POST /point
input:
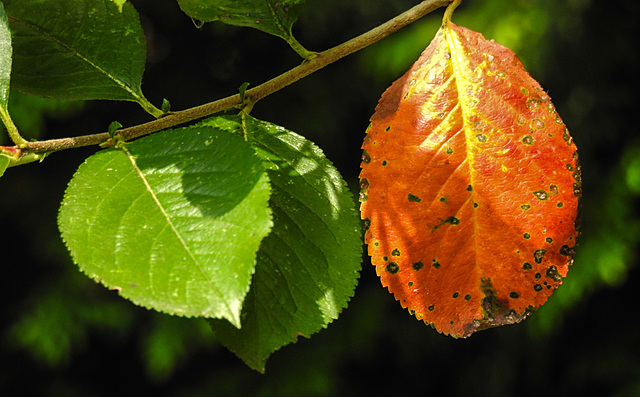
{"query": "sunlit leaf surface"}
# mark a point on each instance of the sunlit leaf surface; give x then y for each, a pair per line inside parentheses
(470, 187)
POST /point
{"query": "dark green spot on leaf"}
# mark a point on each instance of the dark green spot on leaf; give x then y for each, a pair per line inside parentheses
(413, 198)
(541, 194)
(539, 254)
(392, 268)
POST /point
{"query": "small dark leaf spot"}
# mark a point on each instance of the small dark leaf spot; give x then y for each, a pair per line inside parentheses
(410, 284)
(469, 188)
(539, 254)
(475, 205)
(527, 266)
(552, 273)
(436, 264)
(392, 268)
(553, 189)
(365, 157)
(527, 140)
(538, 276)
(567, 137)
(364, 184)
(366, 224)
(570, 167)
(362, 196)
(525, 207)
(481, 137)
(549, 240)
(430, 308)
(395, 252)
(537, 287)
(567, 251)
(541, 194)
(413, 198)
(467, 297)
(418, 265)
(577, 190)
(384, 163)
(376, 244)
(443, 199)
(388, 128)
(526, 235)
(513, 295)
(449, 150)
(560, 204)
(385, 258)
(455, 295)
(451, 220)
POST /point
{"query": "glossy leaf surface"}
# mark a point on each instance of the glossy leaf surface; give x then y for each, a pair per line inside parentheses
(171, 221)
(5, 58)
(470, 187)
(78, 49)
(273, 17)
(308, 265)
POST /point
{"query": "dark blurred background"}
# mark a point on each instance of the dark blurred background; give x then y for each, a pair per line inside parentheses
(63, 335)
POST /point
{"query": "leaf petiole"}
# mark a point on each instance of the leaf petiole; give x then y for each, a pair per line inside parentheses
(14, 134)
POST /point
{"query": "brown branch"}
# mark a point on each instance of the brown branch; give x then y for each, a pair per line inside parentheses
(253, 95)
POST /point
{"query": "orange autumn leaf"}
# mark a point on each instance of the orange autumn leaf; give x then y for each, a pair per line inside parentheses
(470, 187)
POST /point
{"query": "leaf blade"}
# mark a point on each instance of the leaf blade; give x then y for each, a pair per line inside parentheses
(6, 54)
(308, 266)
(162, 223)
(452, 236)
(78, 49)
(275, 18)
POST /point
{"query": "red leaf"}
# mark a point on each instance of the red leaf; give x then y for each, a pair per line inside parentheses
(470, 187)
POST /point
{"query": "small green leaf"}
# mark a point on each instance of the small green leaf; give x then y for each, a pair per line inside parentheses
(78, 49)
(243, 89)
(309, 265)
(166, 106)
(113, 127)
(172, 221)
(275, 17)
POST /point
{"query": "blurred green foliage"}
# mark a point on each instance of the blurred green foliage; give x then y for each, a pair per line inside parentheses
(76, 338)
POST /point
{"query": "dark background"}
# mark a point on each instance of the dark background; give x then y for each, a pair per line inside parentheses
(63, 335)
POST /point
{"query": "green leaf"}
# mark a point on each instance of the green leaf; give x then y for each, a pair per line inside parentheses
(4, 163)
(172, 221)
(5, 58)
(275, 17)
(309, 265)
(78, 49)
